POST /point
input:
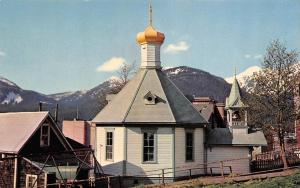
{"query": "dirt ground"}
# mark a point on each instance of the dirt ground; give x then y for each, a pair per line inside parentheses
(208, 180)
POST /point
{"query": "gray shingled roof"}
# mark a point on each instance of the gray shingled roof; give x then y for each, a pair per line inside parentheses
(235, 99)
(129, 106)
(223, 136)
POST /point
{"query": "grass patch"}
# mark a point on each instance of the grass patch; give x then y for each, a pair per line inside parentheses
(292, 181)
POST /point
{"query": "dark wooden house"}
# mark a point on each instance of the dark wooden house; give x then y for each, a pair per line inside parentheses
(35, 153)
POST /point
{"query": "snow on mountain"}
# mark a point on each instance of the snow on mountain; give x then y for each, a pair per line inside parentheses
(114, 81)
(4, 80)
(174, 71)
(12, 98)
(245, 78)
(59, 96)
(166, 68)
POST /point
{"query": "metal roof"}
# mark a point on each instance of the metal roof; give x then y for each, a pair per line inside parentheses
(17, 128)
(223, 136)
(235, 99)
(130, 105)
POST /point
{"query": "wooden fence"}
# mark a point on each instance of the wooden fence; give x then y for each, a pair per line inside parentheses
(272, 160)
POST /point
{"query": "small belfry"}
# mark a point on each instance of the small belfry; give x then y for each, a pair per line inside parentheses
(236, 109)
(150, 41)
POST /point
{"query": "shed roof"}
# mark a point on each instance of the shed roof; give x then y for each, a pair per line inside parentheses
(16, 128)
(129, 105)
(223, 136)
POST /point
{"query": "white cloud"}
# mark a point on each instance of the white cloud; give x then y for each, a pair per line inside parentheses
(112, 64)
(178, 47)
(250, 56)
(247, 56)
(258, 56)
(2, 54)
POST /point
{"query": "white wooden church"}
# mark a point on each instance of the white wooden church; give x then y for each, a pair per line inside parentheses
(151, 125)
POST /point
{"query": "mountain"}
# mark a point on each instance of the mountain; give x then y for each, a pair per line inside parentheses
(14, 98)
(245, 78)
(85, 104)
(195, 82)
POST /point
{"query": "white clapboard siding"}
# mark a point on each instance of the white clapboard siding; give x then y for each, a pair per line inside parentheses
(180, 161)
(115, 166)
(240, 165)
(135, 165)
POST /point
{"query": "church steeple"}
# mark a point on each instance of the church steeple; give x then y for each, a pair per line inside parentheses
(150, 41)
(236, 109)
(150, 14)
(235, 97)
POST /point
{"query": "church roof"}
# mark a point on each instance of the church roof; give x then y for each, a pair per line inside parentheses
(150, 35)
(150, 97)
(223, 136)
(235, 99)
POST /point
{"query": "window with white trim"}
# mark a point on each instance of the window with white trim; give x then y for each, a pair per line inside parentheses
(31, 181)
(189, 146)
(109, 145)
(45, 135)
(149, 147)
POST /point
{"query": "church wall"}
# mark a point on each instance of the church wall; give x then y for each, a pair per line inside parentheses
(240, 165)
(115, 166)
(180, 160)
(164, 152)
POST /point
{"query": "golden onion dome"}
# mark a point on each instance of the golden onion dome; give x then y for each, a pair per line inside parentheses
(150, 35)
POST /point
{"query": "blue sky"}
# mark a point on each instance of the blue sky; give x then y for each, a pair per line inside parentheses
(58, 45)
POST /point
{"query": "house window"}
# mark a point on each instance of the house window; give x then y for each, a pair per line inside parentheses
(45, 135)
(31, 181)
(109, 146)
(189, 146)
(149, 147)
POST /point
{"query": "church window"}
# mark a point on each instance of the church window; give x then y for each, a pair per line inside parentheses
(45, 135)
(150, 98)
(149, 147)
(109, 145)
(189, 146)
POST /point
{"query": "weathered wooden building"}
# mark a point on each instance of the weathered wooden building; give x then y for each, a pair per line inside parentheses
(34, 152)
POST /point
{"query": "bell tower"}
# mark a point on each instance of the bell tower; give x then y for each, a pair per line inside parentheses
(237, 116)
(150, 41)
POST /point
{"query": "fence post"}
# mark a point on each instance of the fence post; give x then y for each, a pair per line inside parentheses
(190, 171)
(222, 168)
(108, 182)
(163, 176)
(120, 182)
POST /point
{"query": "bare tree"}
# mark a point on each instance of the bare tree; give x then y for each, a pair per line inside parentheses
(126, 71)
(124, 74)
(272, 99)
